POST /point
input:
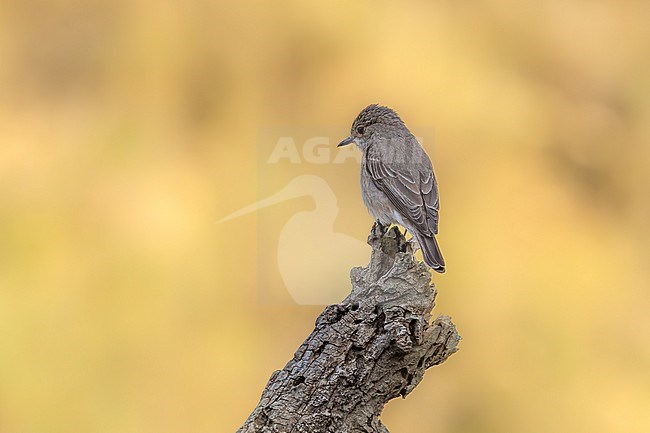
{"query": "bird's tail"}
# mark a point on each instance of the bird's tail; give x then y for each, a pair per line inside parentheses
(431, 252)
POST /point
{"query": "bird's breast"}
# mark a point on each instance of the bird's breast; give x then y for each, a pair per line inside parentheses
(376, 201)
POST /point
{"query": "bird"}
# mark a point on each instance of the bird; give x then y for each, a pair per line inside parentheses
(398, 185)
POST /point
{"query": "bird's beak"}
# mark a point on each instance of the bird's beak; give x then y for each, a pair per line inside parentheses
(346, 141)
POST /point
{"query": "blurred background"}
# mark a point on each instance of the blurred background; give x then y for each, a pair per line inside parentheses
(127, 128)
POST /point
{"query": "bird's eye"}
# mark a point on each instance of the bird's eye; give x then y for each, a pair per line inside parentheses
(360, 129)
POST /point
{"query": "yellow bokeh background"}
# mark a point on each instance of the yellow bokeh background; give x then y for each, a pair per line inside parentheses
(128, 127)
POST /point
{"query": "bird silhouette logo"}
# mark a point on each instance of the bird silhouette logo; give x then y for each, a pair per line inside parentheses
(312, 258)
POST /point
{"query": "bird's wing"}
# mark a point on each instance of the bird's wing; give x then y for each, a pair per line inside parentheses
(413, 191)
(429, 189)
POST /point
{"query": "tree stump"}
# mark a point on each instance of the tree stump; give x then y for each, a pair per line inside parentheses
(363, 352)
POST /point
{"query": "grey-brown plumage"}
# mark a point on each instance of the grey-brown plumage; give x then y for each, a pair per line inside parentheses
(397, 180)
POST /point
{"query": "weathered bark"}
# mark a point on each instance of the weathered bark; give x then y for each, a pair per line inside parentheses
(371, 348)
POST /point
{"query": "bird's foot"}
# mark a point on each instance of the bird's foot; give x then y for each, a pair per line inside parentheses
(402, 243)
(379, 228)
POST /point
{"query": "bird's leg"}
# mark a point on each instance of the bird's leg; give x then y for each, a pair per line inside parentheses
(401, 239)
(382, 228)
(378, 229)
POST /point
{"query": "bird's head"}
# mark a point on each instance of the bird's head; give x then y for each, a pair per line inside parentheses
(372, 119)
